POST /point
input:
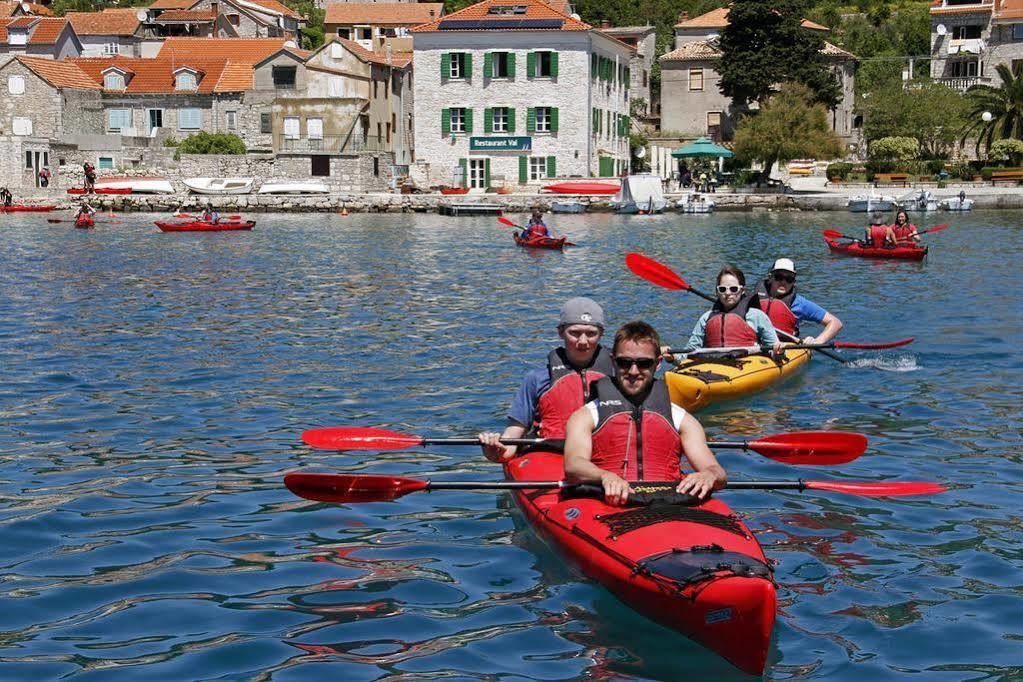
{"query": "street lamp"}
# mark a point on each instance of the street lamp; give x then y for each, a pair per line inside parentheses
(986, 117)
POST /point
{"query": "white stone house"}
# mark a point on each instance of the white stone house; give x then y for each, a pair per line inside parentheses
(518, 92)
(51, 37)
(969, 39)
(109, 33)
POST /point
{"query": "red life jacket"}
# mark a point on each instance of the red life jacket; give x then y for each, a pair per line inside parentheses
(779, 309)
(637, 442)
(731, 328)
(570, 389)
(902, 232)
(877, 235)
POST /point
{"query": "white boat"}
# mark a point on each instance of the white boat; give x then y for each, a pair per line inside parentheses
(137, 185)
(867, 203)
(568, 207)
(218, 185)
(640, 193)
(695, 203)
(294, 188)
(960, 203)
(918, 200)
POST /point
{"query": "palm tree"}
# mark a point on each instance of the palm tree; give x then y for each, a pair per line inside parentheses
(1004, 103)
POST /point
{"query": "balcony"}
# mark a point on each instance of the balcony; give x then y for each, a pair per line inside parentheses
(330, 144)
(963, 83)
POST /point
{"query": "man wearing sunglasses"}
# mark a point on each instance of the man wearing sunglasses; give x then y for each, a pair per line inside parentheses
(632, 431)
(548, 396)
(786, 308)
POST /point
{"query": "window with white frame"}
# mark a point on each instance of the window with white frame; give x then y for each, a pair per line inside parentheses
(537, 168)
(365, 32)
(189, 119)
(458, 120)
(185, 80)
(113, 81)
(543, 120)
(291, 128)
(314, 128)
(110, 49)
(501, 64)
(457, 67)
(17, 37)
(545, 64)
(16, 85)
(500, 120)
(695, 80)
(118, 119)
(231, 118)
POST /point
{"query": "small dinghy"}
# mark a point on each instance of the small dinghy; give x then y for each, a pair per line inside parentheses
(294, 188)
(219, 185)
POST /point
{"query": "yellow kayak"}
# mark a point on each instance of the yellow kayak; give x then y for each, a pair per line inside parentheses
(698, 382)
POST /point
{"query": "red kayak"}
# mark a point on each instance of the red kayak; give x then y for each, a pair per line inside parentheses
(16, 208)
(84, 222)
(542, 242)
(695, 569)
(199, 226)
(454, 190)
(854, 248)
(582, 188)
(100, 190)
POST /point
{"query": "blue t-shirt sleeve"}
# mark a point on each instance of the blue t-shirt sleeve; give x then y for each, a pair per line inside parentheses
(696, 339)
(807, 310)
(523, 408)
(759, 320)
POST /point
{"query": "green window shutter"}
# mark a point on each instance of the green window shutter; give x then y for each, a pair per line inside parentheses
(554, 119)
(523, 170)
(593, 119)
(628, 125)
(468, 120)
(554, 64)
(600, 121)
(486, 172)
(552, 167)
(488, 64)
(468, 66)
(445, 122)
(445, 65)
(531, 65)
(628, 77)
(510, 114)
(593, 67)
(464, 163)
(488, 120)
(531, 120)
(511, 65)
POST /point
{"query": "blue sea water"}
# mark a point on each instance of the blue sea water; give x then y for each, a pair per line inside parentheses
(153, 388)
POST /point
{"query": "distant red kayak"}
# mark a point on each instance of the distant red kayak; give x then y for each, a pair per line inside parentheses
(542, 243)
(582, 188)
(84, 222)
(897, 253)
(100, 190)
(199, 226)
(454, 190)
(16, 208)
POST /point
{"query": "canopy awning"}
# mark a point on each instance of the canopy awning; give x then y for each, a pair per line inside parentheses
(702, 147)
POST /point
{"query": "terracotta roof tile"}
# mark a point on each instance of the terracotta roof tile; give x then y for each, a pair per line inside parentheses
(835, 51)
(109, 22)
(60, 74)
(173, 4)
(156, 75)
(274, 6)
(973, 8)
(242, 50)
(383, 13)
(47, 31)
(8, 9)
(535, 9)
(693, 51)
(398, 59)
(196, 15)
(718, 18)
(235, 77)
(22, 22)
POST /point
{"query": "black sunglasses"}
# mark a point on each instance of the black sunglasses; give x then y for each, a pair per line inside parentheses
(784, 277)
(643, 364)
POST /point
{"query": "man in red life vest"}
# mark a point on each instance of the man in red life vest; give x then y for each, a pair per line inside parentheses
(633, 431)
(549, 395)
(786, 308)
(879, 235)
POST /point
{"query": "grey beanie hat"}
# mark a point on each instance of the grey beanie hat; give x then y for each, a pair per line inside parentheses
(581, 310)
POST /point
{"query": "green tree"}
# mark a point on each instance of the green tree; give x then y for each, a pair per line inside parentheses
(931, 112)
(895, 149)
(790, 125)
(212, 143)
(1004, 103)
(764, 44)
(1007, 150)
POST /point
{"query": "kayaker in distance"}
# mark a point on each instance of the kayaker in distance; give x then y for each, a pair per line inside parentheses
(904, 231)
(5, 196)
(548, 396)
(210, 215)
(878, 235)
(735, 319)
(786, 308)
(536, 227)
(85, 211)
(602, 442)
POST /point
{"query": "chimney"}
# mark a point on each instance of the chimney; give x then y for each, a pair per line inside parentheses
(683, 16)
(604, 23)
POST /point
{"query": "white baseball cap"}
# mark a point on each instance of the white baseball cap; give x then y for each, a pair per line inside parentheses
(784, 264)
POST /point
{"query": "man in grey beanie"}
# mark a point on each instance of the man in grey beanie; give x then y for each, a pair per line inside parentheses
(548, 396)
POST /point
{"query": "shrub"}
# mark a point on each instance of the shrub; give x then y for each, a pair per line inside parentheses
(212, 143)
(1009, 149)
(935, 166)
(895, 149)
(171, 142)
(986, 171)
(838, 170)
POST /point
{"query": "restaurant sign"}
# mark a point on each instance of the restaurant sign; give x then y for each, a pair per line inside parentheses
(500, 144)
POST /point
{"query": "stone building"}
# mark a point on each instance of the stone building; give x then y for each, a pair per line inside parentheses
(109, 33)
(50, 37)
(247, 18)
(15, 8)
(970, 39)
(368, 23)
(692, 104)
(518, 92)
(644, 40)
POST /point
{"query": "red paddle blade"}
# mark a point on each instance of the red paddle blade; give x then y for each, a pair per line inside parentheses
(874, 346)
(654, 272)
(359, 438)
(507, 222)
(879, 488)
(811, 447)
(833, 234)
(939, 228)
(351, 488)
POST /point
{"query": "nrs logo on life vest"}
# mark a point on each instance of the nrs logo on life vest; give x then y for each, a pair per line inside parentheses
(557, 367)
(608, 402)
(719, 616)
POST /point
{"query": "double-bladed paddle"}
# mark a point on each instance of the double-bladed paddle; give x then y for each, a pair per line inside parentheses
(352, 488)
(74, 220)
(505, 221)
(798, 447)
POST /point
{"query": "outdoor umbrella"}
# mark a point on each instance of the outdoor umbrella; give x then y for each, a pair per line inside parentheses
(702, 147)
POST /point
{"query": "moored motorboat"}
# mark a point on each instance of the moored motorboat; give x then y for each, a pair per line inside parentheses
(703, 380)
(582, 188)
(140, 185)
(696, 569)
(867, 203)
(294, 188)
(640, 193)
(542, 242)
(957, 204)
(568, 207)
(199, 226)
(20, 208)
(855, 248)
(235, 185)
(695, 203)
(918, 200)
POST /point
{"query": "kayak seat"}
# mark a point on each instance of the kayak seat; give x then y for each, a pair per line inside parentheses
(627, 521)
(703, 562)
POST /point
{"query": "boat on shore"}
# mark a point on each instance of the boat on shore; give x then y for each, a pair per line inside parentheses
(640, 193)
(867, 203)
(582, 188)
(695, 203)
(454, 190)
(919, 200)
(100, 190)
(150, 185)
(293, 188)
(21, 208)
(218, 185)
(568, 206)
(957, 204)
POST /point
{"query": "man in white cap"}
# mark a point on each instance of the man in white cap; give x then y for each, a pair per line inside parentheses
(549, 395)
(786, 308)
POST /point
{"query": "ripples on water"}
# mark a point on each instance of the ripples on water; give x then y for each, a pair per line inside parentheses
(154, 388)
